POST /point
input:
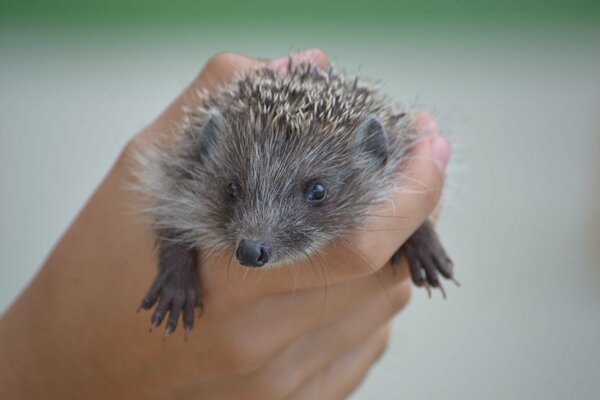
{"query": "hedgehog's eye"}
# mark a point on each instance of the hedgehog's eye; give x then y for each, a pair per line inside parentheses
(316, 193)
(233, 189)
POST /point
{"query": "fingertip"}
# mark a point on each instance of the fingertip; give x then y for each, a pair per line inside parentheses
(425, 124)
(313, 57)
(440, 150)
(427, 163)
(434, 144)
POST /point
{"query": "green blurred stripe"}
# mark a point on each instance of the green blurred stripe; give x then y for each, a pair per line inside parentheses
(156, 9)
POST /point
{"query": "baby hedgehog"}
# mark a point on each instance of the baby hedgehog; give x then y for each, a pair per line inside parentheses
(273, 168)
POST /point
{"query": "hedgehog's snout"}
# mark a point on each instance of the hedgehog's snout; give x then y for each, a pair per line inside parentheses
(253, 253)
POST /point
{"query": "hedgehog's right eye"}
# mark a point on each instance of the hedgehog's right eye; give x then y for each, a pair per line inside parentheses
(316, 193)
(233, 189)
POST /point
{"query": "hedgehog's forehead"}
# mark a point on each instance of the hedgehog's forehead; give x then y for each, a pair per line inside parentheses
(272, 156)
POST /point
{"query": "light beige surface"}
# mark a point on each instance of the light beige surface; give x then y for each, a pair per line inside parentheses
(522, 109)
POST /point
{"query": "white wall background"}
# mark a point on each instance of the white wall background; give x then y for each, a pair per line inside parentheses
(521, 106)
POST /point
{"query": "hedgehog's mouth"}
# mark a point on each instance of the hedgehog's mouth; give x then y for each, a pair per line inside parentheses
(253, 253)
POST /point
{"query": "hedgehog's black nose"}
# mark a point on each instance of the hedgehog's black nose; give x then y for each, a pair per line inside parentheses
(253, 253)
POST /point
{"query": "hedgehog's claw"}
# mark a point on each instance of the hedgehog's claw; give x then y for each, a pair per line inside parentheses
(428, 288)
(427, 259)
(176, 289)
(167, 332)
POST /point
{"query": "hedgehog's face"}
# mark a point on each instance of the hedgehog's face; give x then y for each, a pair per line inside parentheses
(278, 198)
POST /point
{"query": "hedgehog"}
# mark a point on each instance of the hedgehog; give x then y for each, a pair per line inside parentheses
(272, 168)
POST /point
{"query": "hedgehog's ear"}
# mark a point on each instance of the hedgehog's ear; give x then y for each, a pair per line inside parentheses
(209, 135)
(371, 139)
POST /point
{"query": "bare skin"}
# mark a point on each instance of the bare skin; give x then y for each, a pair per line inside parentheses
(297, 333)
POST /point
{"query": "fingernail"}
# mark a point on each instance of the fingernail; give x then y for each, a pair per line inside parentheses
(431, 127)
(440, 149)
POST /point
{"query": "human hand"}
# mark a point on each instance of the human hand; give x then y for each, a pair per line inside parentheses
(310, 331)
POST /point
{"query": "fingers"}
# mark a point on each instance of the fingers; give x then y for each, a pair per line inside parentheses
(333, 381)
(311, 308)
(222, 68)
(345, 374)
(262, 374)
(313, 57)
(333, 340)
(218, 71)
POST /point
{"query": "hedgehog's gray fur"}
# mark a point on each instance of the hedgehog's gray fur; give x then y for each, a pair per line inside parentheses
(274, 135)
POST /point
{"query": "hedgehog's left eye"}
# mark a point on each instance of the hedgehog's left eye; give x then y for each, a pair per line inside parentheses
(233, 189)
(316, 193)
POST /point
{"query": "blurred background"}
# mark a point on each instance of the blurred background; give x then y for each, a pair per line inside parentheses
(514, 84)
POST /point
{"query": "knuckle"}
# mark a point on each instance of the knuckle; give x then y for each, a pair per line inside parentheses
(400, 294)
(241, 356)
(433, 195)
(270, 384)
(361, 266)
(383, 344)
(220, 61)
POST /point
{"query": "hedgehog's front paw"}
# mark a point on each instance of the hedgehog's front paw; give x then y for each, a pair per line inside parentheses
(177, 291)
(426, 258)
